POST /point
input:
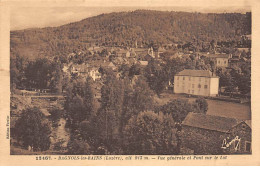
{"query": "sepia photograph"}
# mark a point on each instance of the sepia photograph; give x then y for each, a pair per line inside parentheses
(130, 80)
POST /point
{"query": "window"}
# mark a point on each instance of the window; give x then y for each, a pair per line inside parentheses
(183, 78)
(243, 126)
(189, 91)
(192, 85)
(225, 62)
(218, 62)
(178, 78)
(248, 146)
(192, 91)
(205, 86)
(189, 78)
(199, 86)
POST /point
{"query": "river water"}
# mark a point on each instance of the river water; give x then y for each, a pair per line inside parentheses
(60, 134)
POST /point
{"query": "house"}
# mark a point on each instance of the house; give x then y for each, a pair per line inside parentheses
(109, 65)
(243, 49)
(150, 52)
(123, 53)
(159, 51)
(94, 74)
(221, 60)
(196, 82)
(140, 52)
(79, 69)
(234, 62)
(208, 134)
(143, 63)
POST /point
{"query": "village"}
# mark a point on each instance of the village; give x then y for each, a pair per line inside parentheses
(159, 98)
(216, 125)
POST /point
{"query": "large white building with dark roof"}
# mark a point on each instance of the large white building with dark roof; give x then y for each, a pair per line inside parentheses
(196, 82)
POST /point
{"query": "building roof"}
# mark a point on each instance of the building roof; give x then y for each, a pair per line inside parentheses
(45, 112)
(248, 122)
(143, 63)
(209, 122)
(219, 55)
(107, 64)
(196, 73)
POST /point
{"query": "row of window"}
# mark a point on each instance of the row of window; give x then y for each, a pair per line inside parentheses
(190, 78)
(224, 62)
(199, 86)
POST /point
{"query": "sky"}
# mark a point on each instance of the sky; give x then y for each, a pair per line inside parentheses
(39, 17)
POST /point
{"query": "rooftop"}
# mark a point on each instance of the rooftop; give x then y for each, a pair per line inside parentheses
(209, 122)
(219, 55)
(248, 122)
(196, 73)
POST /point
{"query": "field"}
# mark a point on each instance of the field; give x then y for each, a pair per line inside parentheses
(215, 107)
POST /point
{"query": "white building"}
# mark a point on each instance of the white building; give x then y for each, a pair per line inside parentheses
(221, 60)
(94, 74)
(196, 82)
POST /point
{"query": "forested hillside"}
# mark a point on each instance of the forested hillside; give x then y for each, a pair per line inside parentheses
(128, 28)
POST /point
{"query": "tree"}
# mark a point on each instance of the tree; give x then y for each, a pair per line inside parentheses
(142, 98)
(79, 101)
(78, 147)
(134, 70)
(156, 77)
(124, 69)
(136, 99)
(149, 133)
(109, 114)
(178, 109)
(226, 80)
(38, 73)
(172, 67)
(202, 105)
(57, 78)
(17, 68)
(56, 114)
(33, 129)
(244, 80)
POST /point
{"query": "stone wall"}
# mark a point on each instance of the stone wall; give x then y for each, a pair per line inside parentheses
(202, 141)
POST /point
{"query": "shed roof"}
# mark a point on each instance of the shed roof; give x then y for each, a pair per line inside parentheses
(248, 122)
(209, 122)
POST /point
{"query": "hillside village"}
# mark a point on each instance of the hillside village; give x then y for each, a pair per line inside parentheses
(94, 99)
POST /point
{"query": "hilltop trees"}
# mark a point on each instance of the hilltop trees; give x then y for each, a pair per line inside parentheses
(33, 130)
(126, 28)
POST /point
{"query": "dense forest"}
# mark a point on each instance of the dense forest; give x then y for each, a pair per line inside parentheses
(141, 27)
